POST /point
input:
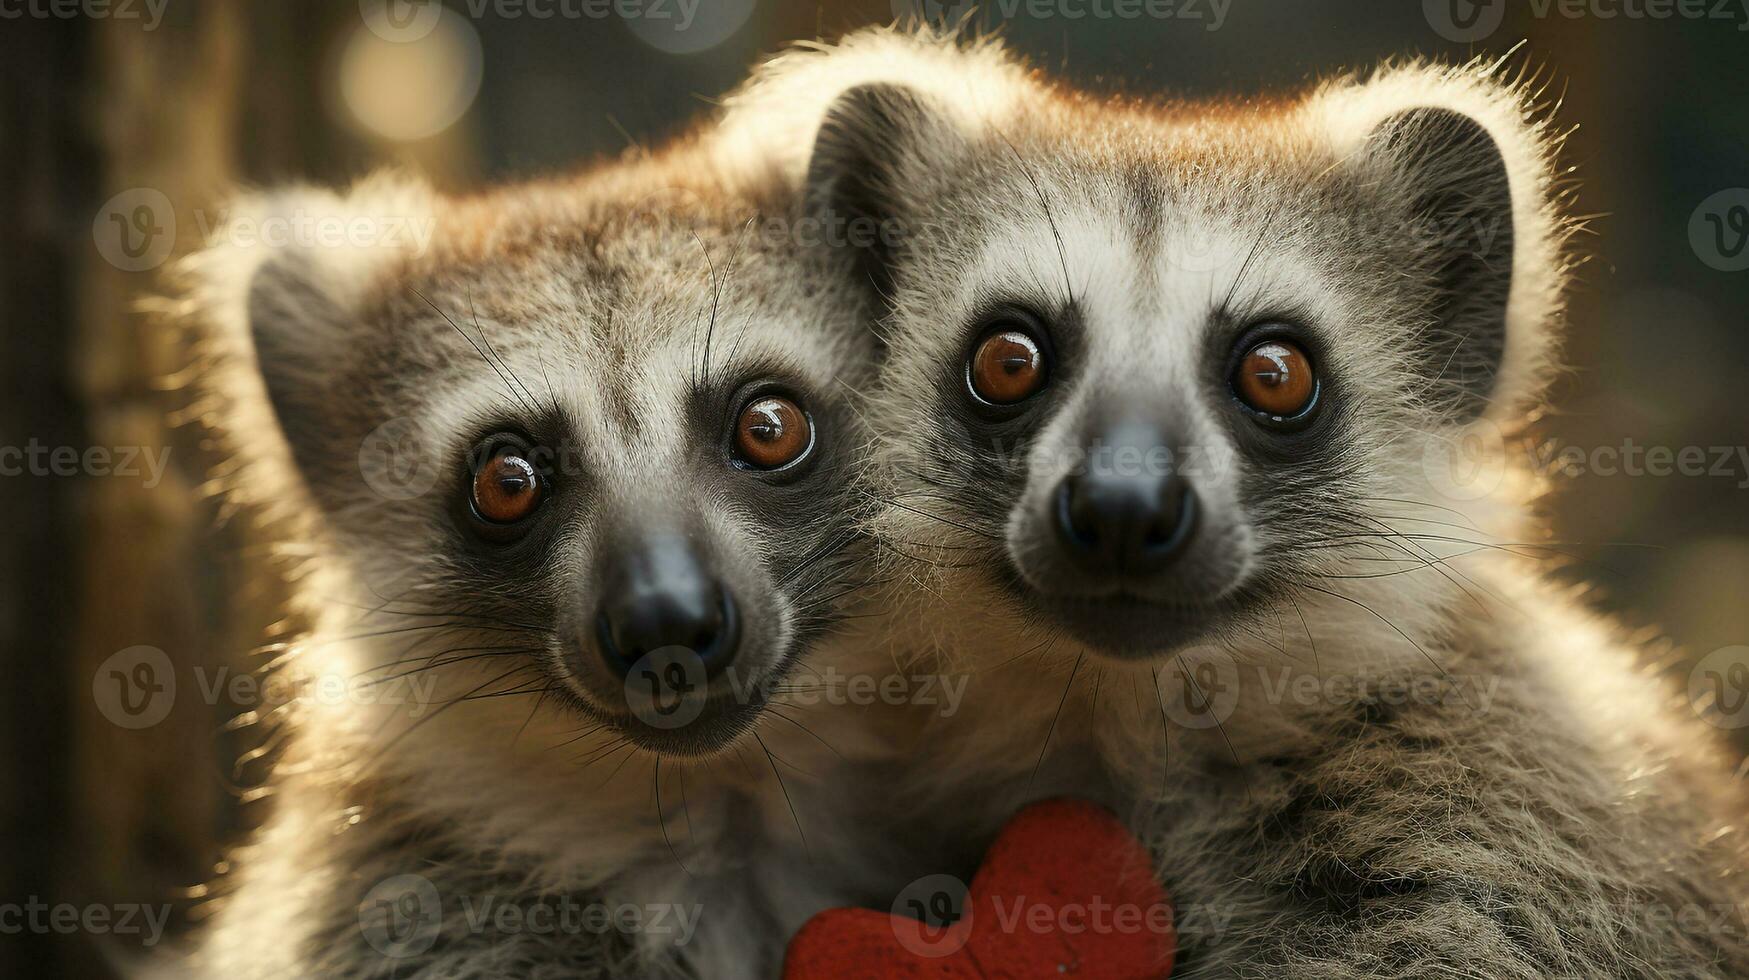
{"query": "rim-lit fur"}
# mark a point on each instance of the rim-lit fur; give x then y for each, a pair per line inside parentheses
(601, 305)
(1519, 822)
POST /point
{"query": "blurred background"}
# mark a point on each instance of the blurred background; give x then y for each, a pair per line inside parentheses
(123, 122)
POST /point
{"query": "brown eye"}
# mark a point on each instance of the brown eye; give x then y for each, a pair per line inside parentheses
(772, 432)
(507, 489)
(1276, 378)
(1007, 367)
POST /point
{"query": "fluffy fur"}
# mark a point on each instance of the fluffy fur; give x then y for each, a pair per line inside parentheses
(471, 772)
(1374, 745)
(1543, 807)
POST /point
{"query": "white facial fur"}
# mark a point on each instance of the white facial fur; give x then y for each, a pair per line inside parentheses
(622, 312)
(1169, 230)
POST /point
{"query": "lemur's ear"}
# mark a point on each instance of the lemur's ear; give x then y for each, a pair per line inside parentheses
(302, 313)
(282, 288)
(1466, 175)
(1457, 198)
(875, 155)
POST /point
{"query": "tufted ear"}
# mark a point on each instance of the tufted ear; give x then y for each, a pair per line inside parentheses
(875, 157)
(1456, 195)
(283, 285)
(302, 311)
(1466, 177)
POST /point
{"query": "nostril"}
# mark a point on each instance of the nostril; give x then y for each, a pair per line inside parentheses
(618, 657)
(1173, 521)
(1077, 526)
(700, 625)
(1158, 534)
(717, 641)
(1125, 525)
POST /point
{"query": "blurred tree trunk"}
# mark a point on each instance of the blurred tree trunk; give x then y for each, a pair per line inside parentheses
(217, 93)
(49, 167)
(155, 570)
(172, 118)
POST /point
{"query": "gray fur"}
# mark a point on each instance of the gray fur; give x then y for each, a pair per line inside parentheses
(1541, 809)
(615, 315)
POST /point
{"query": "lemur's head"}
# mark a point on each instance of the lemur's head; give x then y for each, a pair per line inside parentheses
(1152, 371)
(582, 448)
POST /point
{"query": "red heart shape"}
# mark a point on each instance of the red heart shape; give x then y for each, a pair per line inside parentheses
(1064, 891)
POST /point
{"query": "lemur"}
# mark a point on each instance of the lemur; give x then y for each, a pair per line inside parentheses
(1168, 398)
(570, 466)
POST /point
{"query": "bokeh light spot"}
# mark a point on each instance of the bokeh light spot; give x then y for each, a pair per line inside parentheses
(411, 90)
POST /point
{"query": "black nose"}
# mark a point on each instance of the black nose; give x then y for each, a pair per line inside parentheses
(659, 596)
(1130, 512)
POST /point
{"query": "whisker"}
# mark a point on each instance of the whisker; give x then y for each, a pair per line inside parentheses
(786, 798)
(1219, 726)
(1050, 218)
(532, 400)
(508, 387)
(421, 723)
(810, 732)
(663, 822)
(1059, 714)
(622, 764)
(1393, 626)
(1165, 734)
